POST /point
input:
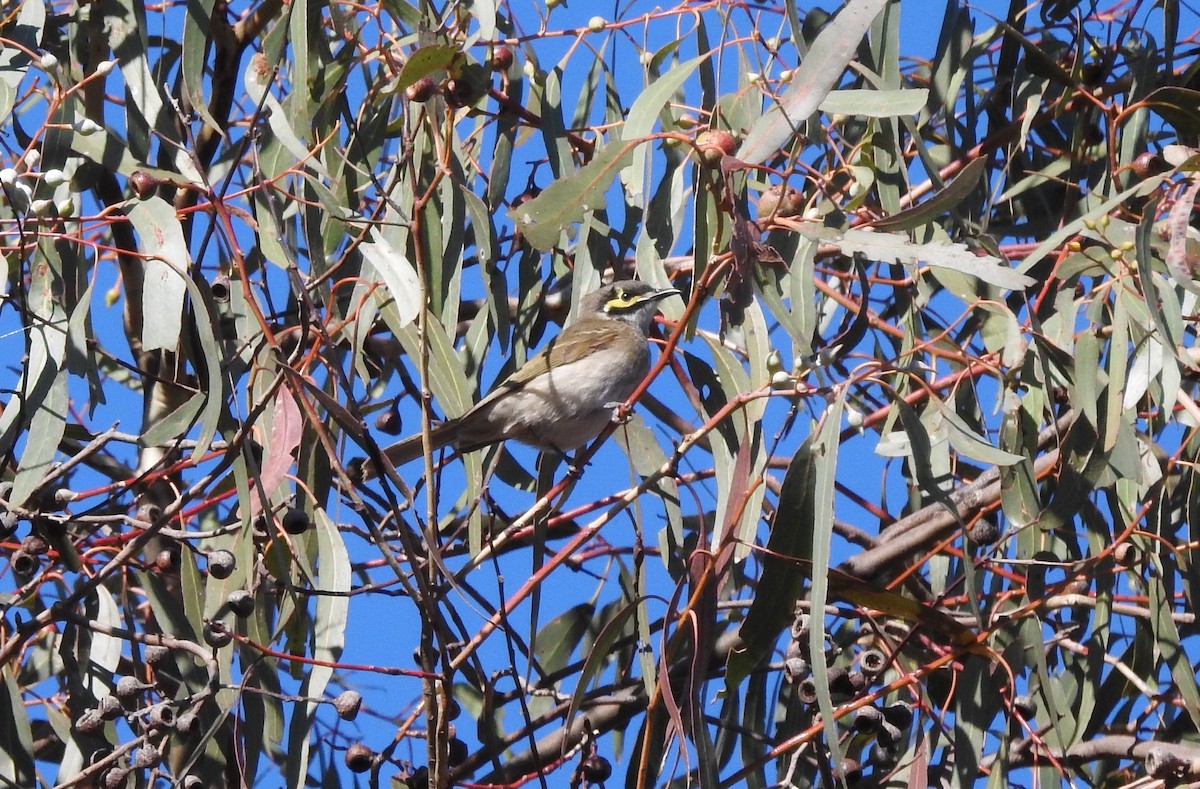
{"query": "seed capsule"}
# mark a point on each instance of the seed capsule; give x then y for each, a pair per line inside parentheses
(359, 758)
(89, 722)
(241, 603)
(129, 688)
(161, 716)
(146, 757)
(595, 769)
(216, 637)
(715, 144)
(502, 58)
(295, 521)
(872, 661)
(221, 564)
(422, 90)
(143, 184)
(457, 752)
(347, 704)
(868, 719)
(109, 708)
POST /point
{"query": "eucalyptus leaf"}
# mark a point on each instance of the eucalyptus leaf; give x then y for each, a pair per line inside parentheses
(875, 103)
(542, 220)
(167, 265)
(889, 246)
(812, 81)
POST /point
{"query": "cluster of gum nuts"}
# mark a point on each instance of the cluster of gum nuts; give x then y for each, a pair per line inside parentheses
(884, 727)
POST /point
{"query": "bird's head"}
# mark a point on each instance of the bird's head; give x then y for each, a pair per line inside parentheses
(629, 300)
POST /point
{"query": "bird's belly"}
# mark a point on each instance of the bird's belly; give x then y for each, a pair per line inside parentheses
(568, 406)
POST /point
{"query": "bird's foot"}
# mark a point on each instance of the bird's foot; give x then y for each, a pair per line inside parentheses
(574, 467)
(621, 412)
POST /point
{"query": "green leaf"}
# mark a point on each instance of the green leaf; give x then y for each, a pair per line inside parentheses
(812, 81)
(797, 535)
(644, 452)
(875, 103)
(40, 400)
(425, 61)
(967, 442)
(166, 267)
(329, 637)
(146, 110)
(888, 246)
(16, 736)
(257, 81)
(945, 201)
(1178, 106)
(175, 424)
(559, 638)
(1166, 637)
(641, 119)
(197, 26)
(543, 219)
(825, 448)
(600, 653)
(104, 651)
(403, 288)
(15, 60)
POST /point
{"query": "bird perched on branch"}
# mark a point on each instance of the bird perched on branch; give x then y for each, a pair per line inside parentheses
(564, 396)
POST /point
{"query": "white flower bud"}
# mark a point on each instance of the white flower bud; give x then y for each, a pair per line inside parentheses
(87, 127)
(33, 158)
(66, 207)
(597, 24)
(21, 196)
(8, 176)
(54, 177)
(104, 67)
(42, 207)
(49, 62)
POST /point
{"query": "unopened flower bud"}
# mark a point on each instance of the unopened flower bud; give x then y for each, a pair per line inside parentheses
(87, 127)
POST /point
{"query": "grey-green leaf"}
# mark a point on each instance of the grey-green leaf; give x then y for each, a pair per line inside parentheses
(812, 81)
(542, 220)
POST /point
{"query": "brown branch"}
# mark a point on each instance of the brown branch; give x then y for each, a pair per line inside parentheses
(920, 530)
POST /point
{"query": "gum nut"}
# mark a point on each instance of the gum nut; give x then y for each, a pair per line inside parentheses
(715, 144)
(502, 58)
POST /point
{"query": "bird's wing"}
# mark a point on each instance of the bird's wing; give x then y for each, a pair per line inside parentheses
(587, 335)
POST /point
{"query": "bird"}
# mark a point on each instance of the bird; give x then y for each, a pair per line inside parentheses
(565, 395)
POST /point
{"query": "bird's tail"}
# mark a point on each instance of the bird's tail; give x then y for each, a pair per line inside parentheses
(411, 448)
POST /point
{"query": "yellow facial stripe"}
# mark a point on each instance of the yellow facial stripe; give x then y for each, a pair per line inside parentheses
(621, 299)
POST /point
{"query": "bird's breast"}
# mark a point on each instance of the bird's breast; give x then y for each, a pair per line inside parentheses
(565, 407)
